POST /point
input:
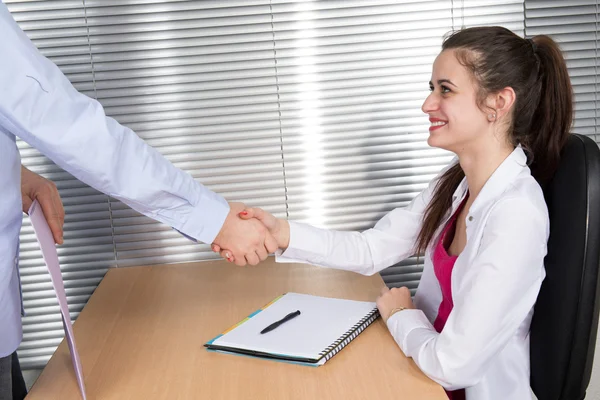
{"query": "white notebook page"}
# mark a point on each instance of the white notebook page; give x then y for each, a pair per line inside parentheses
(322, 321)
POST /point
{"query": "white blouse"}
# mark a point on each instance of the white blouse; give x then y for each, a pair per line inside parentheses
(484, 346)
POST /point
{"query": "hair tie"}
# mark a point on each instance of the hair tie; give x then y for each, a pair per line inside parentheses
(533, 45)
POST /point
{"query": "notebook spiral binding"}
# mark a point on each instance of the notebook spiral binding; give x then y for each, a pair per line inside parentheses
(350, 335)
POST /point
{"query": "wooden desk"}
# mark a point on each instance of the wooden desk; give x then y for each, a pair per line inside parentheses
(142, 332)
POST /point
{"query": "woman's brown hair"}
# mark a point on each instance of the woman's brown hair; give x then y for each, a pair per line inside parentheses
(542, 113)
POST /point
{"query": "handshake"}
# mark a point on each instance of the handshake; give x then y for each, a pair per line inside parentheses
(249, 235)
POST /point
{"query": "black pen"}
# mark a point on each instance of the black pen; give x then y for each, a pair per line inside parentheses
(281, 321)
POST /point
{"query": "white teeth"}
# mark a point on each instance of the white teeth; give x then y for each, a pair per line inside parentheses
(438, 123)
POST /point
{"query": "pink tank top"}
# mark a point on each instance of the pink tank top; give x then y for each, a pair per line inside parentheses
(443, 263)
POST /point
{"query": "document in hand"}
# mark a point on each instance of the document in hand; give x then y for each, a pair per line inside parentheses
(321, 329)
(50, 255)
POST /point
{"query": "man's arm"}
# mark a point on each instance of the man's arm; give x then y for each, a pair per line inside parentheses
(39, 105)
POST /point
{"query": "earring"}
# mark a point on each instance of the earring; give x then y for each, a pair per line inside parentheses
(492, 117)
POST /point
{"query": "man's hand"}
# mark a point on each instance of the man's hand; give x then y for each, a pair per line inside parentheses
(35, 187)
(278, 228)
(246, 241)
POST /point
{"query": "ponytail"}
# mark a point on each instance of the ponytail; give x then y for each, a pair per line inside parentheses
(551, 122)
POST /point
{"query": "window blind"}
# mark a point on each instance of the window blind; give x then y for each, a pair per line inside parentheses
(308, 109)
(574, 25)
(197, 81)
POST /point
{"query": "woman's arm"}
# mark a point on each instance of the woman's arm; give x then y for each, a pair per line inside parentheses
(391, 240)
(493, 299)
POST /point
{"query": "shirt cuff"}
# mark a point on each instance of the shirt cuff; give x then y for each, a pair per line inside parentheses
(402, 323)
(206, 219)
(306, 242)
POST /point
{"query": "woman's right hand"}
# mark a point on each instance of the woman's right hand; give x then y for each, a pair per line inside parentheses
(278, 228)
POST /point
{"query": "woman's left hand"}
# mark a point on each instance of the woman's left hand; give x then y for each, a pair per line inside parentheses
(389, 299)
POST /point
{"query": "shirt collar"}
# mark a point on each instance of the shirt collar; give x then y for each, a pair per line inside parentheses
(500, 180)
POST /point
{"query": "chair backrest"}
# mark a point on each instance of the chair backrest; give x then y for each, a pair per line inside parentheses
(565, 321)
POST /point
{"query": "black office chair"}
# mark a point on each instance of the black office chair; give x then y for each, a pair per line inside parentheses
(565, 321)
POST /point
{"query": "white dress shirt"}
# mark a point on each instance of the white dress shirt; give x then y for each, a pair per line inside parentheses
(39, 105)
(484, 346)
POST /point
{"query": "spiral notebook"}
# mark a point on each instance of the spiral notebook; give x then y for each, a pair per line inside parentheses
(323, 328)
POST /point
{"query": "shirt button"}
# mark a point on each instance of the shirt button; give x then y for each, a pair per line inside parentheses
(470, 218)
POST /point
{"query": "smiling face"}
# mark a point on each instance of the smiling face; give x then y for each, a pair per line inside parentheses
(457, 123)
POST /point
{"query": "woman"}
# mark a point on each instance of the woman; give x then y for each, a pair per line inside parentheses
(503, 105)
